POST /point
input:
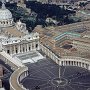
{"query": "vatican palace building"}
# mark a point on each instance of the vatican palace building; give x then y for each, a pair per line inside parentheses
(67, 45)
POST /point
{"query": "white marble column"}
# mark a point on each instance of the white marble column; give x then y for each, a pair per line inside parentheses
(8, 22)
(25, 73)
(48, 52)
(64, 62)
(75, 63)
(68, 63)
(31, 46)
(84, 65)
(81, 64)
(34, 45)
(89, 67)
(24, 48)
(27, 47)
(78, 64)
(38, 46)
(10, 50)
(14, 50)
(59, 62)
(19, 48)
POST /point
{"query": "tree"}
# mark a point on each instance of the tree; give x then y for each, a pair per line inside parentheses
(82, 4)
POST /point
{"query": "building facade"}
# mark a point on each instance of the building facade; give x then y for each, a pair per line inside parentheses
(14, 37)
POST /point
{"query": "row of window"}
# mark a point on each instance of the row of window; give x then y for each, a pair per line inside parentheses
(6, 22)
(14, 40)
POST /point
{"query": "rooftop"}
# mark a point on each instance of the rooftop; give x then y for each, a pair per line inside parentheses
(13, 31)
(56, 37)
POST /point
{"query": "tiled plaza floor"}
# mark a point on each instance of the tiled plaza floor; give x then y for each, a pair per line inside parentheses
(44, 74)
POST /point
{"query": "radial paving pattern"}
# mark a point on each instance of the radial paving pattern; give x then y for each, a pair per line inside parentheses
(43, 75)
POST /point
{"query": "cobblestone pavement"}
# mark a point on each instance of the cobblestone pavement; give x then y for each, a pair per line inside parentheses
(44, 75)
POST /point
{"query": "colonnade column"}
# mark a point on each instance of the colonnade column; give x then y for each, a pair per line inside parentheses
(31, 46)
(67, 62)
(34, 45)
(27, 47)
(85, 65)
(19, 48)
(14, 50)
(59, 62)
(64, 62)
(22, 48)
(38, 45)
(89, 67)
(81, 64)
(10, 50)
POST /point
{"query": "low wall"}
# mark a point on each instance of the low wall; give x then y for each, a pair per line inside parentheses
(16, 77)
(14, 64)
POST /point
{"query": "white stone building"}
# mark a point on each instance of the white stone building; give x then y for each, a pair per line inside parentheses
(14, 38)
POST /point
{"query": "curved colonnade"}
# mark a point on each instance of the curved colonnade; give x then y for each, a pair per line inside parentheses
(20, 71)
(19, 74)
(67, 60)
(16, 77)
(75, 61)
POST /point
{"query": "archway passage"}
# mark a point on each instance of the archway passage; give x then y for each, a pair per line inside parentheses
(44, 76)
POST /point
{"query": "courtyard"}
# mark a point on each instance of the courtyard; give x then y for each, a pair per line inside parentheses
(28, 57)
(44, 75)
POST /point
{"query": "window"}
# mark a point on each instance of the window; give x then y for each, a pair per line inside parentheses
(8, 51)
(36, 45)
(29, 48)
(7, 22)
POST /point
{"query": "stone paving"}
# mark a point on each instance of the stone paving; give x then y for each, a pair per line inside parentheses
(44, 75)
